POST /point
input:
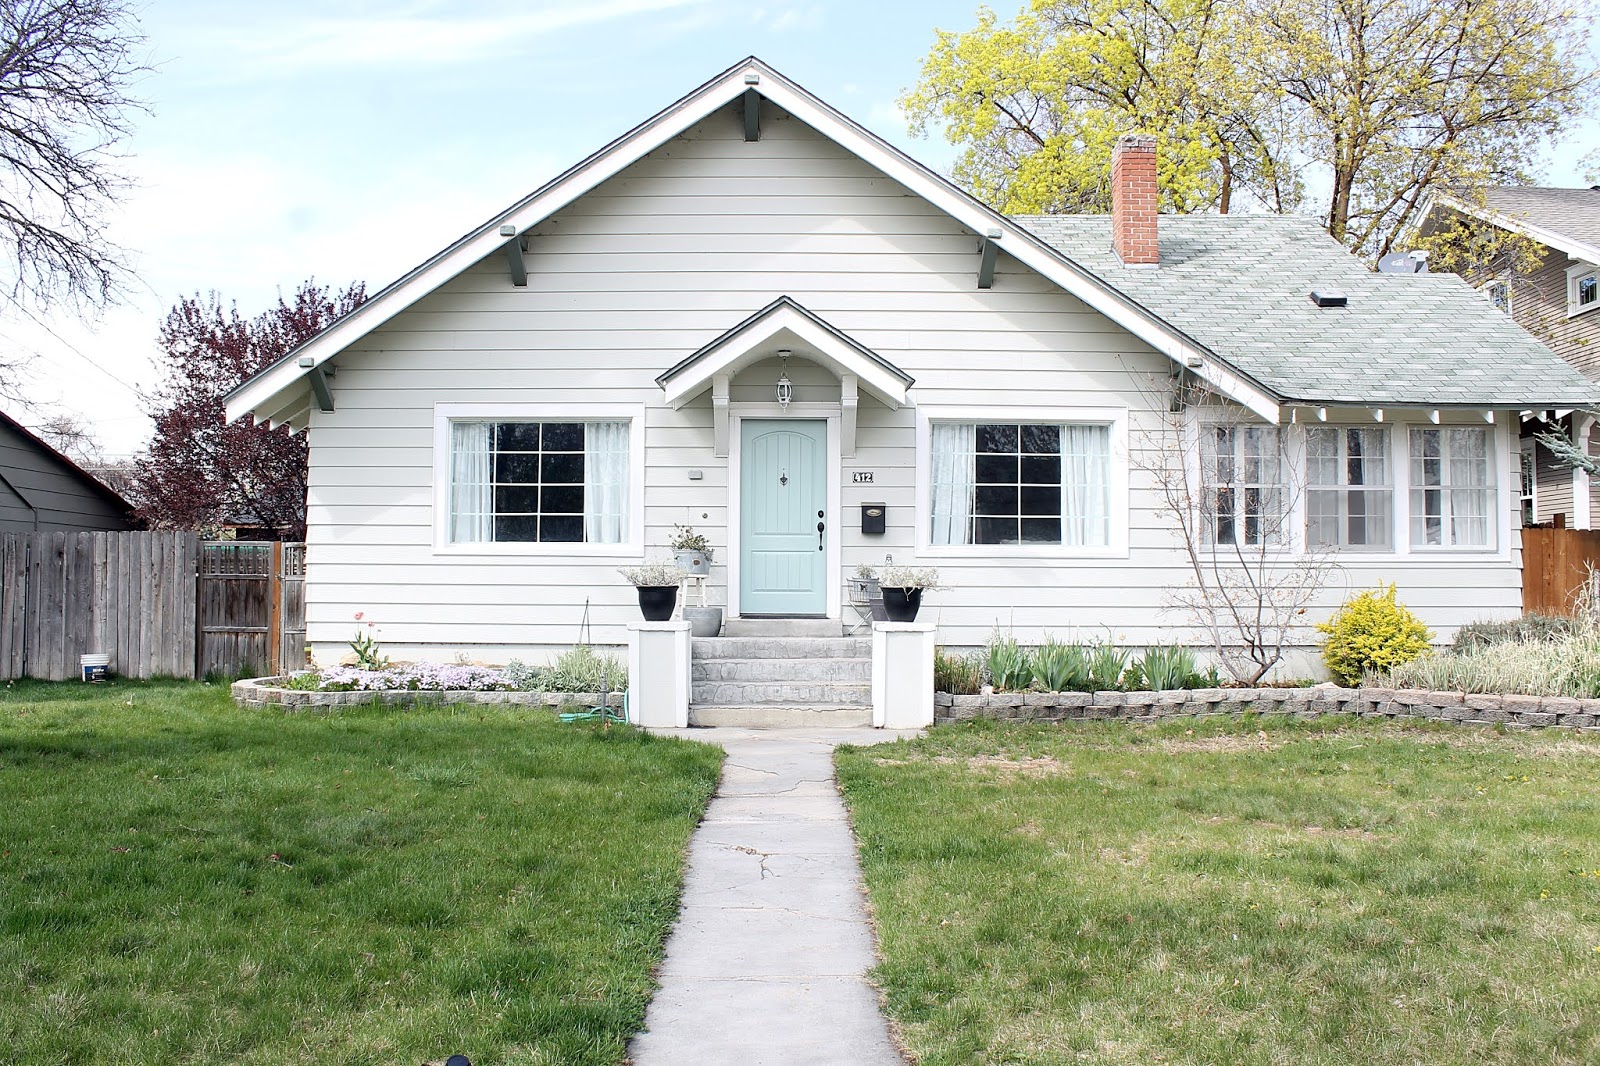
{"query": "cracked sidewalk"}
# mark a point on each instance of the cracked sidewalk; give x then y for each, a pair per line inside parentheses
(768, 962)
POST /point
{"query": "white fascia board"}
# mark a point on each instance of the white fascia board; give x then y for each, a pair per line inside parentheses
(719, 92)
(735, 352)
(1579, 250)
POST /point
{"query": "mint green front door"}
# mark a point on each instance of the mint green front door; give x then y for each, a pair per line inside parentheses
(783, 498)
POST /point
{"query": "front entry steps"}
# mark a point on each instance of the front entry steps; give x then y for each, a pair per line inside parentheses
(775, 682)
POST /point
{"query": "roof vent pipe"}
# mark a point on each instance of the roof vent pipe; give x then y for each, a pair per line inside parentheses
(1329, 297)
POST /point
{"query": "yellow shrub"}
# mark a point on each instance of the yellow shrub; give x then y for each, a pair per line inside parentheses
(1372, 632)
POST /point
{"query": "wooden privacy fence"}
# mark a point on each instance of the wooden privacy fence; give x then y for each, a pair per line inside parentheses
(159, 604)
(1555, 568)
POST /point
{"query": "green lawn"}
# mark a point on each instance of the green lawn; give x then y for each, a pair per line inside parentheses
(1327, 892)
(185, 882)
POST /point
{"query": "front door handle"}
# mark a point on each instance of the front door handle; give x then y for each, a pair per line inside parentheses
(820, 528)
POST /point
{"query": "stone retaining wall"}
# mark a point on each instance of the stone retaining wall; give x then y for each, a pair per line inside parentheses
(260, 694)
(1514, 712)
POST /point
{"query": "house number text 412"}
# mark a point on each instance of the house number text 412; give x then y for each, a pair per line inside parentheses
(861, 477)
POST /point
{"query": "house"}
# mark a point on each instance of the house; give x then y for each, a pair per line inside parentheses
(42, 490)
(1540, 265)
(495, 433)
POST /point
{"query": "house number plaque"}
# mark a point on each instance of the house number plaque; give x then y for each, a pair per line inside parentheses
(861, 477)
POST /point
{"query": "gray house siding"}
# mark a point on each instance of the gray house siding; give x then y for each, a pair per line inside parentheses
(39, 490)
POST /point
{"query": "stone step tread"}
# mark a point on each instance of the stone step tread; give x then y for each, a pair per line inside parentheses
(745, 693)
(781, 715)
(802, 670)
(781, 648)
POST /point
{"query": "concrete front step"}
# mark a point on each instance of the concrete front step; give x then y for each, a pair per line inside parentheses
(756, 693)
(782, 627)
(849, 671)
(782, 716)
(782, 648)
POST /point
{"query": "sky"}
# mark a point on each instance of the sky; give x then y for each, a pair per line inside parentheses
(347, 140)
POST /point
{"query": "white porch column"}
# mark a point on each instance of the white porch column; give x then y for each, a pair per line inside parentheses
(902, 674)
(658, 674)
(1582, 424)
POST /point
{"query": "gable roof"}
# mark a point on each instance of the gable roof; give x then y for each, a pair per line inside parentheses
(826, 344)
(1567, 220)
(278, 393)
(94, 485)
(1241, 284)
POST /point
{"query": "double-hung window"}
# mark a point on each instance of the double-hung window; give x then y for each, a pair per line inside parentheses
(1452, 488)
(546, 481)
(1241, 497)
(1020, 483)
(1349, 489)
(1583, 288)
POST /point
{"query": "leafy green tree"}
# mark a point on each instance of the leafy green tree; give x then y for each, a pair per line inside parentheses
(1255, 101)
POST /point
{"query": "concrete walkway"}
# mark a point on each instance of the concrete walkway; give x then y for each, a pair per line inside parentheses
(768, 962)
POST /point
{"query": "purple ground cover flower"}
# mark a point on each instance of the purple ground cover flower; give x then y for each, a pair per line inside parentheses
(415, 676)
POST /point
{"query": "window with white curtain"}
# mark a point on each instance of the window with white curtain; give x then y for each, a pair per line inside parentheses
(1349, 488)
(1241, 481)
(1020, 483)
(1452, 487)
(542, 481)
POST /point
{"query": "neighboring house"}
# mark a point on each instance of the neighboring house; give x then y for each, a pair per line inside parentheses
(41, 489)
(542, 401)
(1550, 285)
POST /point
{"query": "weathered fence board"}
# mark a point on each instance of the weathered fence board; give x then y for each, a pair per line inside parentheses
(160, 604)
(128, 595)
(1555, 568)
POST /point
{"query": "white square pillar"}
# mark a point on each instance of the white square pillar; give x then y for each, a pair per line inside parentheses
(658, 674)
(902, 674)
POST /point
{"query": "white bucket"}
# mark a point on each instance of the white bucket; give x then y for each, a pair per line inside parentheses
(95, 667)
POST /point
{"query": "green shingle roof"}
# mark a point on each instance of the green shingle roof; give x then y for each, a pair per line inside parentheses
(1240, 286)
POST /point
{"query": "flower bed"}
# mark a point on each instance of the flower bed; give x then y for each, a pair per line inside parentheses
(1515, 712)
(272, 692)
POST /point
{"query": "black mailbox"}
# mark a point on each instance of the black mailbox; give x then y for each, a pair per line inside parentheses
(872, 518)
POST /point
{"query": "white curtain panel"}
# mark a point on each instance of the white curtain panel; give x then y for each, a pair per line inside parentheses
(954, 447)
(471, 482)
(605, 482)
(1086, 485)
(1469, 487)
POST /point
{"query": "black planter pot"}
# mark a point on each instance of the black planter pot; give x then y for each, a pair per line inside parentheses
(902, 604)
(657, 601)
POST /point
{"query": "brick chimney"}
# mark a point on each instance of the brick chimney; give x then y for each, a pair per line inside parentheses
(1134, 200)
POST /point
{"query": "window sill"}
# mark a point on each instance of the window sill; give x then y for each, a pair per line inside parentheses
(533, 550)
(989, 554)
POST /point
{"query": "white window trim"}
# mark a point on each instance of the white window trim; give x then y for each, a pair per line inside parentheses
(1505, 284)
(1115, 417)
(1292, 455)
(1528, 447)
(1575, 274)
(1504, 451)
(446, 413)
(1498, 466)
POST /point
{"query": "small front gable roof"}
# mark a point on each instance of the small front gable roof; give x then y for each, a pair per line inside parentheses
(277, 393)
(753, 339)
(1567, 220)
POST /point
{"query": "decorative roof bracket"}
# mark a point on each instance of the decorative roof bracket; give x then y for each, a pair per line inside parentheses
(990, 252)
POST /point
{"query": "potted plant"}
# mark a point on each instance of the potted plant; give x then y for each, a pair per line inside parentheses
(864, 589)
(691, 550)
(658, 588)
(902, 590)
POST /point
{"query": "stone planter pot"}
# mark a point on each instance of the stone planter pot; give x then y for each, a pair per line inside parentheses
(902, 604)
(692, 561)
(703, 621)
(656, 602)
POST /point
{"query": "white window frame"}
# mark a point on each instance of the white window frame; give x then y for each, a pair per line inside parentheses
(1114, 417)
(1576, 275)
(1398, 483)
(1502, 286)
(1528, 449)
(1291, 459)
(446, 413)
(1497, 495)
